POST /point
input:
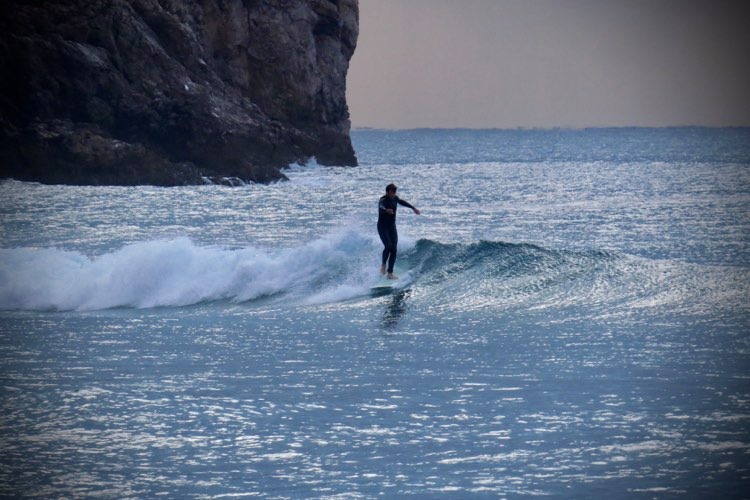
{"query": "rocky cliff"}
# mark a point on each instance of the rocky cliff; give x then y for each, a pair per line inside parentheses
(167, 92)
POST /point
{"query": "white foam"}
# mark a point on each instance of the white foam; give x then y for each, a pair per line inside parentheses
(178, 272)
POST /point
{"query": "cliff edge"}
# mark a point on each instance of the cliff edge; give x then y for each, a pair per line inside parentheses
(170, 92)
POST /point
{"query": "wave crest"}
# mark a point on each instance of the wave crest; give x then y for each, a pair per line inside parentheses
(174, 272)
(483, 275)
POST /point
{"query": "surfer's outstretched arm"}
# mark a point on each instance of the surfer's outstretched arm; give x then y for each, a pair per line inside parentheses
(408, 205)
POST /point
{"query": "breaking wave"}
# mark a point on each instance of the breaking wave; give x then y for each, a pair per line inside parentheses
(343, 265)
(177, 272)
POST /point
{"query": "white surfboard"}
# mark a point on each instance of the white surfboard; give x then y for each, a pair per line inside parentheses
(383, 283)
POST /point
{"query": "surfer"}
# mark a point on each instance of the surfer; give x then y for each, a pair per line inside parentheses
(387, 227)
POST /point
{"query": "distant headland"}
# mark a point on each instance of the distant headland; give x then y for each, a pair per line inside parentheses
(129, 92)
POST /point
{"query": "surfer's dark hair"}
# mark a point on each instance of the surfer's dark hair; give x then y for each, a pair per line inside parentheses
(390, 187)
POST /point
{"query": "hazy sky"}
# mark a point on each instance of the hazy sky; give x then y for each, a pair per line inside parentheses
(550, 63)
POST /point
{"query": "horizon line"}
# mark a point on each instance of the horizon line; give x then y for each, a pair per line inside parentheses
(552, 128)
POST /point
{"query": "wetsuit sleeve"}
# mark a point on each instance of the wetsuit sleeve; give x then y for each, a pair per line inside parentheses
(404, 203)
(381, 206)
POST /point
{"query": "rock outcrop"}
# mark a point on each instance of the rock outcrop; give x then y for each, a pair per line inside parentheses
(168, 92)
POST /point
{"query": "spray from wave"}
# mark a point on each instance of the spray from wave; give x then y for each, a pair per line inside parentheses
(178, 272)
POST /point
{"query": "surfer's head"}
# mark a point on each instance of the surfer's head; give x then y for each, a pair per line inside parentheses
(390, 189)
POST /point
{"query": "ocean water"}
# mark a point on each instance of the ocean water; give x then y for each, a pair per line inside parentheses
(573, 323)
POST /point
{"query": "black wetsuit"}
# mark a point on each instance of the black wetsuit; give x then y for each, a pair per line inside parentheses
(387, 227)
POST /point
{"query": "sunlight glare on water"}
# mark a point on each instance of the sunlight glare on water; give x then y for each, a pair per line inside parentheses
(574, 324)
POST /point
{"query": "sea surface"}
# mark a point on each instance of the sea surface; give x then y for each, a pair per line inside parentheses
(573, 323)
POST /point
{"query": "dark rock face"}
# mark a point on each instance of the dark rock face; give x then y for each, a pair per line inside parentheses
(167, 92)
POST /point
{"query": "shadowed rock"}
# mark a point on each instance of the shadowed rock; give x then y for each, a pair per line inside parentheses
(171, 92)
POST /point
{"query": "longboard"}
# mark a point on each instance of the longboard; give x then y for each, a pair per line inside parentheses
(384, 283)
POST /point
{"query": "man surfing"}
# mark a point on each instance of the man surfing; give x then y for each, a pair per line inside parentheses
(387, 227)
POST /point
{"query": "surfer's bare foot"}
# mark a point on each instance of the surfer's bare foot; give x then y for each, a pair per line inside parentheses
(382, 269)
(392, 276)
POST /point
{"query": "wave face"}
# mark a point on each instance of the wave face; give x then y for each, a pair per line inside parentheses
(477, 276)
(568, 284)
